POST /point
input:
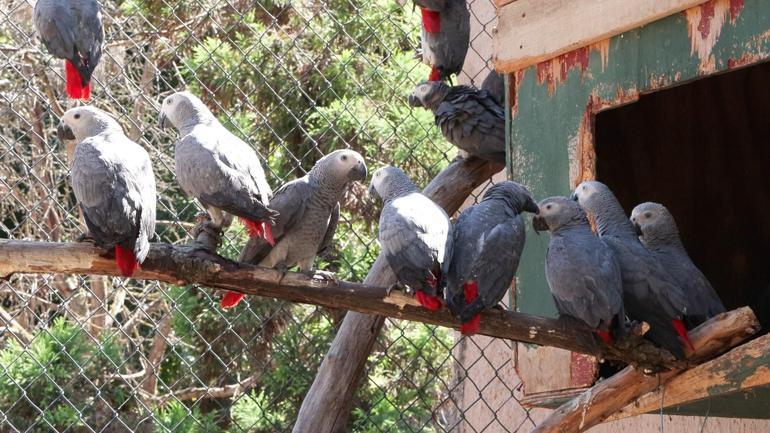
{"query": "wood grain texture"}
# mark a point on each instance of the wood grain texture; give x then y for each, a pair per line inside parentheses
(531, 31)
(611, 395)
(742, 368)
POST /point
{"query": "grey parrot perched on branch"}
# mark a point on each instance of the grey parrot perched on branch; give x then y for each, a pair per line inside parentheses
(659, 233)
(72, 30)
(445, 38)
(488, 240)
(308, 213)
(581, 269)
(468, 118)
(415, 235)
(114, 184)
(219, 169)
(650, 293)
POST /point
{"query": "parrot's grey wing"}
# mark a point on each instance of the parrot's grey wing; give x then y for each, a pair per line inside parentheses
(331, 229)
(90, 32)
(55, 25)
(290, 201)
(499, 260)
(494, 83)
(219, 180)
(402, 241)
(108, 195)
(148, 199)
(475, 124)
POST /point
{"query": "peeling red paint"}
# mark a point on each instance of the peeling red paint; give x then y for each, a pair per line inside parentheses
(745, 60)
(518, 78)
(735, 9)
(583, 370)
(555, 71)
(706, 15)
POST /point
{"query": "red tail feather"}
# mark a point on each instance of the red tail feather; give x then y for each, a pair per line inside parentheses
(231, 299)
(471, 327)
(126, 261)
(74, 86)
(430, 21)
(605, 336)
(432, 303)
(435, 74)
(259, 229)
(471, 289)
(682, 332)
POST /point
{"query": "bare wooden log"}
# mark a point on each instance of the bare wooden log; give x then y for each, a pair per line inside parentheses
(745, 367)
(611, 395)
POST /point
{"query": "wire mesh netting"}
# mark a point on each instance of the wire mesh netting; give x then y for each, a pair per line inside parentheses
(295, 80)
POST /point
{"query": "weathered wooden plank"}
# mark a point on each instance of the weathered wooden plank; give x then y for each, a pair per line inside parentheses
(531, 31)
(611, 395)
(744, 367)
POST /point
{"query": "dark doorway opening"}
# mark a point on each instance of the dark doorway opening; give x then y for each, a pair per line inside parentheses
(703, 150)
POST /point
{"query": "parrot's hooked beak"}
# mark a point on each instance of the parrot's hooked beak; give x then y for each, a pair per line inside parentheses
(64, 132)
(574, 196)
(638, 228)
(358, 172)
(414, 101)
(162, 120)
(531, 207)
(373, 192)
(539, 224)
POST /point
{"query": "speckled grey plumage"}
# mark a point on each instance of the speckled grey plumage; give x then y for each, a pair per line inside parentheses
(308, 213)
(581, 269)
(660, 236)
(213, 165)
(650, 293)
(414, 232)
(468, 118)
(72, 30)
(113, 182)
(446, 50)
(488, 239)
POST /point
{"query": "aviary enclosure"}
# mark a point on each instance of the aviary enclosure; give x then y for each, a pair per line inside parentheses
(680, 84)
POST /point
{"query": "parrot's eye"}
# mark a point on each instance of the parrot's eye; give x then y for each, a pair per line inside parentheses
(344, 157)
(648, 214)
(77, 116)
(168, 101)
(548, 206)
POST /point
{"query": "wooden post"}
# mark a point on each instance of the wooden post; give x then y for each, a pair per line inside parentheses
(327, 405)
(611, 395)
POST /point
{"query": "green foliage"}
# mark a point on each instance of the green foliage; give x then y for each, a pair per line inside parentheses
(175, 417)
(54, 381)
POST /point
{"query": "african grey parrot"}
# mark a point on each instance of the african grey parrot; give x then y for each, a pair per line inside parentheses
(308, 213)
(469, 118)
(659, 233)
(446, 33)
(650, 293)
(415, 235)
(72, 30)
(494, 84)
(114, 185)
(581, 269)
(487, 242)
(219, 169)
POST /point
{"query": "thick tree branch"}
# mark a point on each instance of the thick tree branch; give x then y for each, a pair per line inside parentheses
(183, 265)
(610, 396)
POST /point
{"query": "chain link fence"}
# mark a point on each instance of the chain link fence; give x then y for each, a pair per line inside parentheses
(296, 80)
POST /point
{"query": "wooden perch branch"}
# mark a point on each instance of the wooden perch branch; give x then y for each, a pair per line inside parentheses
(611, 395)
(742, 368)
(183, 265)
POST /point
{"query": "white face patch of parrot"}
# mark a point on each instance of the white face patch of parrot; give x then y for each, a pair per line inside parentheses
(378, 178)
(585, 191)
(169, 110)
(347, 164)
(87, 121)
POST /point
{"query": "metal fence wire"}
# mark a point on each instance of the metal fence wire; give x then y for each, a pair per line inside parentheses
(296, 80)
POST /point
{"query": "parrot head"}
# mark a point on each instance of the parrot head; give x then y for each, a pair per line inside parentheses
(390, 182)
(592, 195)
(80, 123)
(653, 221)
(182, 108)
(428, 94)
(556, 212)
(515, 195)
(343, 164)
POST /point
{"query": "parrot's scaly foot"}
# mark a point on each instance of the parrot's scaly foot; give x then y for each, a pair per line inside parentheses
(86, 237)
(205, 233)
(396, 286)
(500, 307)
(324, 276)
(282, 270)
